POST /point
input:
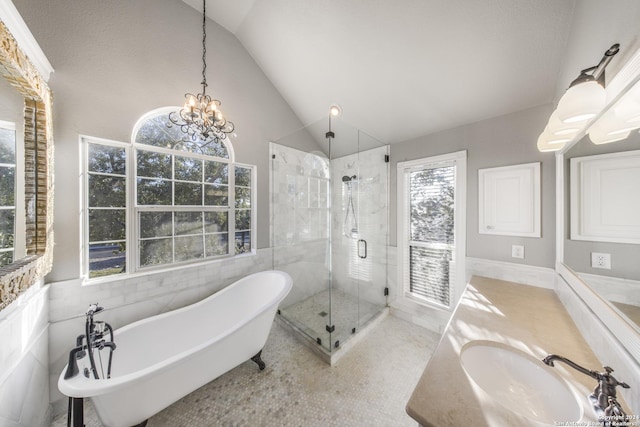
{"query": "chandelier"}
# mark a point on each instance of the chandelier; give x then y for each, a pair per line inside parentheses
(200, 119)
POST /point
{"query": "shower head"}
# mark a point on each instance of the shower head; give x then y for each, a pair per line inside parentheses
(348, 178)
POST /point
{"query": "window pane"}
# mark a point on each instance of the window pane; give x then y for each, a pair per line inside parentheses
(155, 252)
(243, 242)
(106, 159)
(431, 197)
(216, 173)
(107, 191)
(107, 224)
(243, 219)
(215, 222)
(7, 146)
(7, 228)
(217, 244)
(155, 132)
(189, 247)
(188, 223)
(188, 194)
(6, 258)
(243, 176)
(7, 185)
(107, 259)
(243, 198)
(154, 192)
(153, 165)
(188, 169)
(155, 224)
(429, 273)
(216, 195)
(215, 148)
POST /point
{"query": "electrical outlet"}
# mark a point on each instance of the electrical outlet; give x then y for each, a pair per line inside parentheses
(600, 260)
(517, 251)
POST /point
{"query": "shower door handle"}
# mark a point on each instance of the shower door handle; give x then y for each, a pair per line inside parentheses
(362, 245)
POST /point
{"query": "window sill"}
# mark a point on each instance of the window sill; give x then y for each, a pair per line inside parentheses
(150, 271)
(410, 299)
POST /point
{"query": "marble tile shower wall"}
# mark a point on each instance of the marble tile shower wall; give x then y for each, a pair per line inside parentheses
(24, 360)
(135, 298)
(300, 220)
(362, 277)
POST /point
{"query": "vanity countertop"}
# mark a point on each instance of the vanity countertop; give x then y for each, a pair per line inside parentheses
(528, 318)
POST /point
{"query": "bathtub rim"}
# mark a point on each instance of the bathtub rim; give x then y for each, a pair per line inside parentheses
(82, 387)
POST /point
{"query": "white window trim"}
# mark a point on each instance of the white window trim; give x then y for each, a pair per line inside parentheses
(132, 232)
(459, 159)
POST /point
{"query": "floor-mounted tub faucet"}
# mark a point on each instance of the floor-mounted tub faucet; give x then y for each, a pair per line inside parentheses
(604, 394)
(93, 338)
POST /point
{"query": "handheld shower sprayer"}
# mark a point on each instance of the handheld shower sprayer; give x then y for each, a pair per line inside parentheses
(350, 232)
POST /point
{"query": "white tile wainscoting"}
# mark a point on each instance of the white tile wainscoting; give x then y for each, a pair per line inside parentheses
(24, 360)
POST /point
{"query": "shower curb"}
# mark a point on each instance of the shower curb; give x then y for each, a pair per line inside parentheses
(331, 358)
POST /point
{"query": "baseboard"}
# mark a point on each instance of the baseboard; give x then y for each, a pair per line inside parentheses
(542, 277)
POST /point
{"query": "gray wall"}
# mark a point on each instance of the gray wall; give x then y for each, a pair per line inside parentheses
(501, 141)
(115, 61)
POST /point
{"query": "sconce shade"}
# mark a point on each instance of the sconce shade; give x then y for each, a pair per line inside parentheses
(558, 128)
(581, 102)
(603, 133)
(628, 108)
(546, 144)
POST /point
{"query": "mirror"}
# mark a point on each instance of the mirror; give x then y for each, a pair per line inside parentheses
(28, 210)
(619, 281)
(599, 237)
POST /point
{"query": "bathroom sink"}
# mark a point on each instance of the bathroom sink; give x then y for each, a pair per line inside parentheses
(520, 382)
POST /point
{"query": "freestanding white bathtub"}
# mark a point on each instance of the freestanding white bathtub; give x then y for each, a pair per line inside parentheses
(163, 358)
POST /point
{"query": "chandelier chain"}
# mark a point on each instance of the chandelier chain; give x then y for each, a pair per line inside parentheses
(204, 46)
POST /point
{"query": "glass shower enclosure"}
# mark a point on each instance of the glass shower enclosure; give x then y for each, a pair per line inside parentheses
(329, 229)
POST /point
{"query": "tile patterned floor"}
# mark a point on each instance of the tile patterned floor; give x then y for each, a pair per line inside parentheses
(369, 386)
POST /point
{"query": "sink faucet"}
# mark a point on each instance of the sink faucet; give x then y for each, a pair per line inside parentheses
(605, 391)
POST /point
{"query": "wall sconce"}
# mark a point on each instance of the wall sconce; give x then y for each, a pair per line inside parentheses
(584, 99)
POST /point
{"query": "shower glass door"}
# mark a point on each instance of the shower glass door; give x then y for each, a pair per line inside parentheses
(329, 229)
(360, 177)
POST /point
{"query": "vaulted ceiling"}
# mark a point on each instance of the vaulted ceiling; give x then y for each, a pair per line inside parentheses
(404, 68)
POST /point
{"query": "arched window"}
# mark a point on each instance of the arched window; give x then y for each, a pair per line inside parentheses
(173, 201)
